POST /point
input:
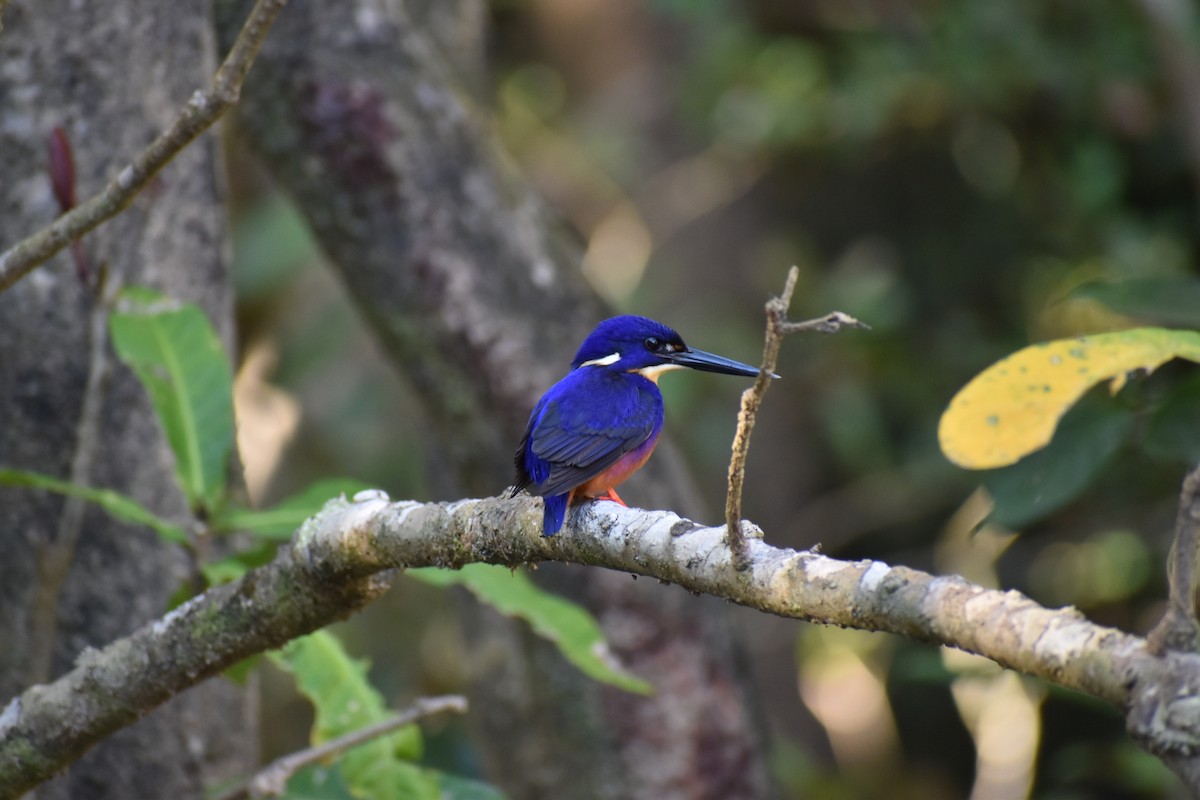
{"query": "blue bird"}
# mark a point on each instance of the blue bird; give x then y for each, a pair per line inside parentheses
(599, 424)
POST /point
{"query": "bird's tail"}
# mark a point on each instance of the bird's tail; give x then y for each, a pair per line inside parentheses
(556, 511)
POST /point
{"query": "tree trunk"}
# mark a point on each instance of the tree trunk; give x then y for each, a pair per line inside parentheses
(475, 292)
(111, 76)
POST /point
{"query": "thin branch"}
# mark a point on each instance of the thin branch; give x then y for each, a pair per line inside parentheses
(1178, 629)
(55, 556)
(342, 559)
(832, 322)
(272, 780)
(203, 109)
(3, 6)
(777, 328)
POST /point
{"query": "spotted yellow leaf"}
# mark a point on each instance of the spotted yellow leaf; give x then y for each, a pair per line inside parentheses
(1011, 409)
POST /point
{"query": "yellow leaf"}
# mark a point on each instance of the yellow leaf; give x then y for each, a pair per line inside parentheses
(1011, 408)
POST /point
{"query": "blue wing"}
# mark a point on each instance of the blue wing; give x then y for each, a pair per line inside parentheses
(581, 426)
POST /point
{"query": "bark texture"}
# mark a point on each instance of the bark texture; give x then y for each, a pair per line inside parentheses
(363, 115)
(329, 571)
(112, 76)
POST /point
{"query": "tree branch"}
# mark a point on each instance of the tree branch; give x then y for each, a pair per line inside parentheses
(203, 109)
(1178, 629)
(777, 328)
(340, 559)
(271, 781)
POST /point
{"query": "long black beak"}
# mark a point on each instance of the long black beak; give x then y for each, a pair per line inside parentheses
(708, 362)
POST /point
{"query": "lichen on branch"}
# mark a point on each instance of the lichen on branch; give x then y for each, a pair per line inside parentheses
(342, 558)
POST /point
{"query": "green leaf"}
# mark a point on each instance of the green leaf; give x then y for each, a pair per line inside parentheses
(177, 356)
(1159, 301)
(235, 565)
(569, 626)
(345, 701)
(1012, 407)
(456, 787)
(322, 783)
(239, 673)
(281, 521)
(1050, 478)
(116, 504)
(317, 782)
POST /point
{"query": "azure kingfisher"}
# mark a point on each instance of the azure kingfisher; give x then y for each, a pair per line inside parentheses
(599, 424)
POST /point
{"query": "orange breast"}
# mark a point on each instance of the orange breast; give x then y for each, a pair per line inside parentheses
(615, 475)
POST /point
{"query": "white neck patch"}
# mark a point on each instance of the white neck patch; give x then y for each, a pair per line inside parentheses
(652, 373)
(611, 358)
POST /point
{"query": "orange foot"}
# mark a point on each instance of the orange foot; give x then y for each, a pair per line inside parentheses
(612, 495)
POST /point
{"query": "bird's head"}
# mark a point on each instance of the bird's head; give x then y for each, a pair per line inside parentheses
(638, 344)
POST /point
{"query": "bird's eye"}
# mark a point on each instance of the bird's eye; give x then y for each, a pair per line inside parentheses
(652, 343)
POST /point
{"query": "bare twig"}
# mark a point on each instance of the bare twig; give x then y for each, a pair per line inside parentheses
(777, 328)
(272, 780)
(203, 109)
(832, 322)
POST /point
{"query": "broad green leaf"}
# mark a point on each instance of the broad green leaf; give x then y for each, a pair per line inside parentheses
(570, 627)
(177, 356)
(116, 504)
(1160, 301)
(1050, 478)
(345, 701)
(1011, 408)
(281, 521)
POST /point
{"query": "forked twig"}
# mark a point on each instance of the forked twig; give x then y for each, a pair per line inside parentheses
(272, 780)
(777, 327)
